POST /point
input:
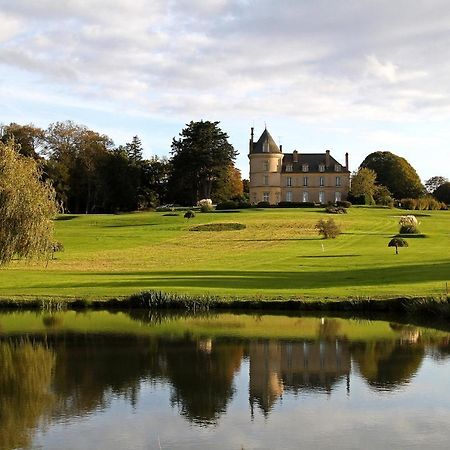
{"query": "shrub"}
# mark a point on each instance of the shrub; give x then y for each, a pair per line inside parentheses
(230, 204)
(189, 214)
(263, 205)
(409, 203)
(344, 204)
(408, 220)
(329, 229)
(335, 210)
(296, 205)
(205, 205)
(409, 229)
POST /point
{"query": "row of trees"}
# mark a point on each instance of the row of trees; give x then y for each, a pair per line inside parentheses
(90, 174)
(384, 176)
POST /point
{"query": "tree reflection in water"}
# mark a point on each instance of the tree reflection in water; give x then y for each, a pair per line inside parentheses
(70, 375)
(25, 398)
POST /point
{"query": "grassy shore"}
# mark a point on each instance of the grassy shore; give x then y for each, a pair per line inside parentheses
(277, 256)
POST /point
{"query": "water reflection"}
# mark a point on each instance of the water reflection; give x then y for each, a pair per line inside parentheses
(59, 375)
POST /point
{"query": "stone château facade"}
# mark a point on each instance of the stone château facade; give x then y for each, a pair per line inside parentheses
(294, 177)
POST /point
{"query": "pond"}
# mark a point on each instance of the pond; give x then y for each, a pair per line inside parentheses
(146, 380)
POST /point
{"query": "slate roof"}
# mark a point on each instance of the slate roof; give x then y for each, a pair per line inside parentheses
(313, 160)
(265, 137)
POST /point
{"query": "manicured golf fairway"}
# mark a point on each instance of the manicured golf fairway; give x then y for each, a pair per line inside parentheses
(278, 255)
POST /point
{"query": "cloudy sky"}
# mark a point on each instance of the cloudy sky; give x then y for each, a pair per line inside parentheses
(345, 75)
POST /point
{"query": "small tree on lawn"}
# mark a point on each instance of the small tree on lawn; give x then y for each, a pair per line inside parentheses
(397, 242)
(189, 214)
(329, 229)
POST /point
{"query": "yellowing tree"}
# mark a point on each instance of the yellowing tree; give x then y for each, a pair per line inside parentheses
(27, 206)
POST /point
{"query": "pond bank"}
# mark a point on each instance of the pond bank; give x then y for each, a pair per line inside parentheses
(424, 306)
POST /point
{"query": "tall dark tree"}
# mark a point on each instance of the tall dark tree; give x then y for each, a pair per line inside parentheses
(442, 193)
(154, 184)
(395, 173)
(200, 157)
(75, 157)
(134, 150)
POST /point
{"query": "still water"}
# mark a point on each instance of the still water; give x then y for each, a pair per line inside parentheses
(139, 380)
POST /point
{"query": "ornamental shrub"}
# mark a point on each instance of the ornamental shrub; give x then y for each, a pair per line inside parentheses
(329, 229)
(344, 204)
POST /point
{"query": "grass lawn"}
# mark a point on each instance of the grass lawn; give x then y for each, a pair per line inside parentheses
(278, 254)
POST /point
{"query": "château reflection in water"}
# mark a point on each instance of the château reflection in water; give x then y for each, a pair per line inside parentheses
(55, 377)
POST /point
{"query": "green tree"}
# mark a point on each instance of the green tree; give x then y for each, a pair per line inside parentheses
(28, 139)
(442, 193)
(329, 229)
(395, 173)
(76, 156)
(27, 206)
(200, 157)
(363, 184)
(434, 182)
(397, 242)
(134, 150)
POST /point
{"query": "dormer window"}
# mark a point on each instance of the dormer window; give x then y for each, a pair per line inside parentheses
(288, 167)
(305, 167)
(295, 156)
(266, 147)
(321, 167)
(337, 167)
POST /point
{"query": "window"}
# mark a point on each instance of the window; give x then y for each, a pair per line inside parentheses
(321, 167)
(305, 197)
(265, 197)
(266, 166)
(288, 167)
(338, 181)
(337, 167)
(321, 197)
(289, 196)
(337, 197)
(321, 182)
(266, 147)
(305, 167)
(289, 181)
(305, 181)
(266, 180)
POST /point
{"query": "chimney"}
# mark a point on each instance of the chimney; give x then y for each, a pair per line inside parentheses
(281, 148)
(346, 161)
(250, 146)
(327, 158)
(295, 156)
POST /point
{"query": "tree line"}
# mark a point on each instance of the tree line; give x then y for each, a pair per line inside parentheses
(91, 175)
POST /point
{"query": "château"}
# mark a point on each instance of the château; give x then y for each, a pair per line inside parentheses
(294, 177)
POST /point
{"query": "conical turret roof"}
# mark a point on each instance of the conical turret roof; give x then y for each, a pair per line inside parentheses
(265, 141)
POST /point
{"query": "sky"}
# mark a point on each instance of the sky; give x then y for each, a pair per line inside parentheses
(353, 76)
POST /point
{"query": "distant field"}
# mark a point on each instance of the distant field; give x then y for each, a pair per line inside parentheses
(278, 254)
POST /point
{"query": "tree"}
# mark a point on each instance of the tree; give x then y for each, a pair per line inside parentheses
(28, 139)
(76, 157)
(329, 229)
(395, 173)
(134, 150)
(228, 187)
(200, 157)
(442, 193)
(434, 182)
(397, 242)
(363, 184)
(27, 206)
